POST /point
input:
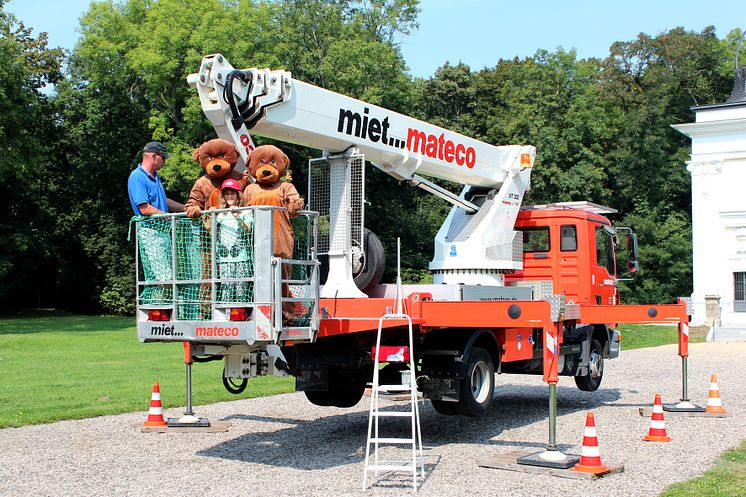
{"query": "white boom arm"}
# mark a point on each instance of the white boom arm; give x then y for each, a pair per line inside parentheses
(274, 105)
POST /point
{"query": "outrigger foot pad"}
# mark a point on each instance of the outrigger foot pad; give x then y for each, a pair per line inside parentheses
(188, 421)
(550, 459)
(683, 406)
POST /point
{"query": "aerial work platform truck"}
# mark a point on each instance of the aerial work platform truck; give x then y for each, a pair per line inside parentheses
(515, 289)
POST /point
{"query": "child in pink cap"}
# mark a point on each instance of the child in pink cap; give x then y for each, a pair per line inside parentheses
(234, 244)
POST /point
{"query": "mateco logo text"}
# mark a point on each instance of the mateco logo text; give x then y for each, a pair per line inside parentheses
(376, 130)
(216, 331)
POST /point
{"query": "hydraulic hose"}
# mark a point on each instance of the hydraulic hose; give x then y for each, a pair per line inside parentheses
(236, 118)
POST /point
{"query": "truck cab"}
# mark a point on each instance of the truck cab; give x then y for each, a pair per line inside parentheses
(568, 249)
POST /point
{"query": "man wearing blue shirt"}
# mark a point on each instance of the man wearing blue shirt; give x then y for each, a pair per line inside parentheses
(146, 192)
(147, 197)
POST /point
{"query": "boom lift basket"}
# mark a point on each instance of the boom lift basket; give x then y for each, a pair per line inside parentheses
(218, 281)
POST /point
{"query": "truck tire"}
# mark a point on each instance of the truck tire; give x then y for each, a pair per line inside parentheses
(348, 395)
(477, 387)
(340, 393)
(591, 381)
(370, 267)
(318, 398)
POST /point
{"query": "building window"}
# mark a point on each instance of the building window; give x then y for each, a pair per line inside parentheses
(739, 287)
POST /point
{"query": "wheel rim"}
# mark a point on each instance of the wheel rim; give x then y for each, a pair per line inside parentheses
(596, 365)
(480, 382)
(358, 258)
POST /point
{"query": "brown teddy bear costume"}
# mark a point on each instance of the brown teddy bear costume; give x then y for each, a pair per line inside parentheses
(218, 159)
(266, 165)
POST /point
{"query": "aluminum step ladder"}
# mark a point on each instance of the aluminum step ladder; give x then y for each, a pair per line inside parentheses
(399, 354)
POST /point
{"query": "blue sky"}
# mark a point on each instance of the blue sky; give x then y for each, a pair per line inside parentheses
(479, 32)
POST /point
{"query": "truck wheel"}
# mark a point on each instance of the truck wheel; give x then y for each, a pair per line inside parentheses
(591, 381)
(478, 386)
(444, 407)
(340, 393)
(319, 398)
(368, 264)
(348, 396)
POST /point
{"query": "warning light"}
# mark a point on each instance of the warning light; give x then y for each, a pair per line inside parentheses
(239, 314)
(159, 315)
(525, 160)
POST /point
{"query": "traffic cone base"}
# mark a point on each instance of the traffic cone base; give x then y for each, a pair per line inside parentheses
(590, 456)
(657, 432)
(155, 413)
(714, 404)
(591, 469)
(656, 438)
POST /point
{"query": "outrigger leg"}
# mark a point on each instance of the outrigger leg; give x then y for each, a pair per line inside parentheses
(684, 405)
(188, 419)
(552, 457)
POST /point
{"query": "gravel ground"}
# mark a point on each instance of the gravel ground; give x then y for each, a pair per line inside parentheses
(285, 446)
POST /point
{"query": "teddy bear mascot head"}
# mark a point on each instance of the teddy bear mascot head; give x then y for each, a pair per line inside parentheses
(218, 159)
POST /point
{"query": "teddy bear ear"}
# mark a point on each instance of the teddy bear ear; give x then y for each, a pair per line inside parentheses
(232, 157)
(195, 154)
(285, 158)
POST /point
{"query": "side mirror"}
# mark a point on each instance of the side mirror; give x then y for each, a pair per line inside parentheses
(632, 246)
(632, 265)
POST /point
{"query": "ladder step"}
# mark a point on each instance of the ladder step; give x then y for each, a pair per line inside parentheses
(394, 388)
(390, 467)
(391, 440)
(393, 414)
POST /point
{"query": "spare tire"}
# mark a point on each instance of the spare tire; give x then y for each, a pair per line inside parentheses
(369, 264)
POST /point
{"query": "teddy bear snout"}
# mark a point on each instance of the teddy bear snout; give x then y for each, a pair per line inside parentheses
(217, 167)
(266, 172)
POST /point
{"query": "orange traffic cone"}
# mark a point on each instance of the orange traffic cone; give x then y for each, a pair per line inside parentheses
(657, 432)
(590, 456)
(714, 404)
(155, 413)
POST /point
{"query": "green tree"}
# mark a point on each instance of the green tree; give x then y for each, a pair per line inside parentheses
(27, 136)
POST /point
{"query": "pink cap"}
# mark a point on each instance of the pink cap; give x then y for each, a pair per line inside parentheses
(232, 184)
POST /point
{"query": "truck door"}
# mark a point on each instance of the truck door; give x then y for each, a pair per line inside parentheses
(603, 275)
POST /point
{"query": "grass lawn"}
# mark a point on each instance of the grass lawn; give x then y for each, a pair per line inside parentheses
(57, 366)
(637, 336)
(726, 479)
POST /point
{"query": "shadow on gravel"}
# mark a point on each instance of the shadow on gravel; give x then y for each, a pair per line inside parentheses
(338, 440)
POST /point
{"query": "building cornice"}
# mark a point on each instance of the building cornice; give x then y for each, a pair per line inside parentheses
(712, 128)
(704, 167)
(717, 106)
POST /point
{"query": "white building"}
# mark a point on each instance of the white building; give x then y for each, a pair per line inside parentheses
(718, 169)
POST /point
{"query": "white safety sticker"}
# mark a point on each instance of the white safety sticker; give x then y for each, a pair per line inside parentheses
(550, 343)
(685, 329)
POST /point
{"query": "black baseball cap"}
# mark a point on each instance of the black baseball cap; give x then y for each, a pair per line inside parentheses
(157, 148)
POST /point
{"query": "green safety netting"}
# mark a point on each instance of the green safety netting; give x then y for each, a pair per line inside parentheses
(178, 251)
